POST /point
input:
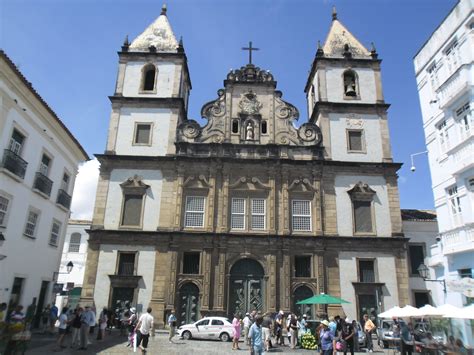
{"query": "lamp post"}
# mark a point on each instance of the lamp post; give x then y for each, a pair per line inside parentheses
(69, 267)
(423, 271)
(413, 168)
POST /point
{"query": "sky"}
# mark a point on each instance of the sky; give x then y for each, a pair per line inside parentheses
(68, 50)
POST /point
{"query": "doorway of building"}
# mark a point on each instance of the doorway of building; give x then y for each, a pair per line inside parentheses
(188, 310)
(302, 293)
(41, 303)
(122, 297)
(246, 291)
(368, 305)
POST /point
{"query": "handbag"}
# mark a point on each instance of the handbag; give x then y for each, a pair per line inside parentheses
(340, 345)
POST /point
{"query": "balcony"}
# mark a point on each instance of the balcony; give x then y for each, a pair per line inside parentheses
(63, 199)
(459, 240)
(43, 184)
(436, 256)
(453, 88)
(462, 156)
(14, 163)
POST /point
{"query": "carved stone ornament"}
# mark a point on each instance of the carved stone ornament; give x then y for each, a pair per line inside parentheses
(250, 73)
(361, 192)
(354, 121)
(249, 103)
(249, 183)
(135, 184)
(301, 185)
(285, 110)
(199, 182)
(190, 129)
(215, 108)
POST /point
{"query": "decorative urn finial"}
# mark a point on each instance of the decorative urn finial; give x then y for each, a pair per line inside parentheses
(334, 13)
(126, 44)
(163, 10)
(373, 51)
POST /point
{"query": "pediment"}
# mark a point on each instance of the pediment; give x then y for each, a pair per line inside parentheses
(301, 185)
(196, 182)
(134, 184)
(361, 191)
(248, 183)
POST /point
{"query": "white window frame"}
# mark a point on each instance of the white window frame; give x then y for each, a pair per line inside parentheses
(76, 245)
(201, 213)
(242, 214)
(55, 235)
(258, 214)
(43, 168)
(65, 186)
(454, 205)
(30, 221)
(464, 118)
(298, 215)
(443, 136)
(14, 145)
(5, 208)
(452, 57)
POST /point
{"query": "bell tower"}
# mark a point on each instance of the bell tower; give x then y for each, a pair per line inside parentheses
(151, 92)
(345, 98)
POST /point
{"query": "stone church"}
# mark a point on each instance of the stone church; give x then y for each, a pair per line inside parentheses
(251, 210)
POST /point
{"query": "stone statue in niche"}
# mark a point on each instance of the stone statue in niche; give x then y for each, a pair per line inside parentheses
(249, 132)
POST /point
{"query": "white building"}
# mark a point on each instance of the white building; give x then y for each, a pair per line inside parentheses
(39, 160)
(421, 228)
(75, 252)
(445, 74)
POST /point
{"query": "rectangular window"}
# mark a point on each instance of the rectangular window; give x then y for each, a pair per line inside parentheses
(433, 73)
(143, 133)
(194, 213)
(417, 257)
(55, 231)
(454, 202)
(191, 263)
(31, 222)
(126, 265)
(362, 216)
(463, 115)
(302, 266)
(452, 56)
(74, 243)
(16, 142)
(301, 215)
(421, 299)
(65, 182)
(257, 213)
(366, 271)
(238, 213)
(465, 273)
(132, 210)
(3, 210)
(443, 136)
(354, 140)
(44, 166)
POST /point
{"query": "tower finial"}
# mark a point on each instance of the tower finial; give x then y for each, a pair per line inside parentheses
(180, 45)
(320, 51)
(373, 51)
(163, 10)
(125, 44)
(334, 13)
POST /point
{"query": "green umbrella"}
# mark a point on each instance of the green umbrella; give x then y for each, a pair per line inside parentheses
(322, 299)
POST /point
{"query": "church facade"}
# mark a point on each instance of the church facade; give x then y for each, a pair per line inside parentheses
(249, 211)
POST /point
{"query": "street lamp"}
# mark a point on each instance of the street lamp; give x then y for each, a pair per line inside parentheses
(423, 271)
(413, 168)
(69, 268)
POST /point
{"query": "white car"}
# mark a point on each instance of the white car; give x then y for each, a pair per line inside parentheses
(208, 328)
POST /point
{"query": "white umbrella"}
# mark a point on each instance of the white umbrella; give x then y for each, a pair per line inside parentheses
(448, 310)
(408, 312)
(461, 313)
(430, 311)
(392, 312)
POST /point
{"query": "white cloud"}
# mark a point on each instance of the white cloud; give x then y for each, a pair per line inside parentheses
(84, 190)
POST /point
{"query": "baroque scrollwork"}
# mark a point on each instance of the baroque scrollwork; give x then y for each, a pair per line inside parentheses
(309, 132)
(285, 110)
(215, 108)
(250, 73)
(190, 129)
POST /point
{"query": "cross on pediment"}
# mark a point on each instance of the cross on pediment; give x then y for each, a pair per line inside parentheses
(250, 49)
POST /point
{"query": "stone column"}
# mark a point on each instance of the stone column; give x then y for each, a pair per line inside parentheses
(206, 271)
(222, 217)
(90, 273)
(284, 203)
(179, 196)
(272, 200)
(113, 129)
(98, 219)
(331, 261)
(220, 281)
(329, 204)
(271, 281)
(394, 203)
(285, 276)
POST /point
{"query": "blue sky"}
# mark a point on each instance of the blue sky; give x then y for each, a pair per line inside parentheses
(67, 49)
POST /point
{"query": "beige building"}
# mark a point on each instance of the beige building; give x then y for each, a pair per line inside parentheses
(251, 210)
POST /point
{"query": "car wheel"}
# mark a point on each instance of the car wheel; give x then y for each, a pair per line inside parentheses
(224, 337)
(186, 335)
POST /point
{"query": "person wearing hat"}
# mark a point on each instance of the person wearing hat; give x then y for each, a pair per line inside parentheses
(279, 328)
(247, 324)
(328, 341)
(303, 324)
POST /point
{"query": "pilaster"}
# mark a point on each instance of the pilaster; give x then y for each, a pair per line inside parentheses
(285, 275)
(272, 200)
(394, 203)
(179, 195)
(328, 198)
(98, 219)
(207, 272)
(401, 265)
(113, 129)
(220, 280)
(284, 202)
(160, 285)
(90, 274)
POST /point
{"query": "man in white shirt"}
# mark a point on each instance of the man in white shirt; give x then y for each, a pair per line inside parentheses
(143, 330)
(247, 324)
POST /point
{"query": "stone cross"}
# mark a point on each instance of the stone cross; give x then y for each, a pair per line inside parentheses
(250, 49)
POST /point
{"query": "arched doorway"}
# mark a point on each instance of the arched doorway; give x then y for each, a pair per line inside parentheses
(188, 310)
(301, 293)
(246, 287)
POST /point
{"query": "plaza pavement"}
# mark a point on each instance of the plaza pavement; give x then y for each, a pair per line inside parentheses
(159, 345)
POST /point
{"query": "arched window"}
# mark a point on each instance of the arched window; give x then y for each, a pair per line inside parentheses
(235, 126)
(350, 84)
(264, 127)
(149, 74)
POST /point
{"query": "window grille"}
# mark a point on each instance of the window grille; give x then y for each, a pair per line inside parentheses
(366, 271)
(74, 243)
(455, 205)
(194, 213)
(3, 209)
(302, 266)
(258, 213)
(65, 183)
(16, 142)
(238, 213)
(53, 239)
(44, 166)
(31, 224)
(301, 215)
(191, 263)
